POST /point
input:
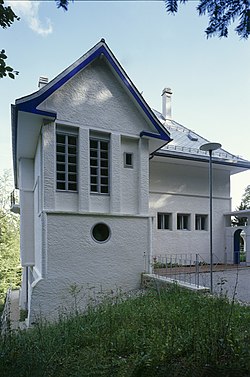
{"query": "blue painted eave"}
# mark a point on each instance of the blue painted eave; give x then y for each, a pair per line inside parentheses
(33, 101)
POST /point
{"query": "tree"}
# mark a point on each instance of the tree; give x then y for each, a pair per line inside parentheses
(10, 269)
(221, 14)
(7, 17)
(245, 201)
(244, 204)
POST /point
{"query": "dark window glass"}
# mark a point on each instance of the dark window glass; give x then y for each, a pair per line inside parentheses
(101, 232)
(66, 157)
(99, 166)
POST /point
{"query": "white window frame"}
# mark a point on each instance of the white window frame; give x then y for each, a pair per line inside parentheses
(67, 163)
(126, 165)
(101, 188)
(183, 221)
(164, 221)
(199, 219)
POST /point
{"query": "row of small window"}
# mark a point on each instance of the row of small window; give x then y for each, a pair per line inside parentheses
(66, 163)
(164, 221)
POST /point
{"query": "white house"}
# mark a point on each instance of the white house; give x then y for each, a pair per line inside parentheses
(105, 182)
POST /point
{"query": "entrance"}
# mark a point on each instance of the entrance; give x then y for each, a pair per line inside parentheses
(238, 247)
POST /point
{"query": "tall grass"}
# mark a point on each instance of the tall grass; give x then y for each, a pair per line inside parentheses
(164, 333)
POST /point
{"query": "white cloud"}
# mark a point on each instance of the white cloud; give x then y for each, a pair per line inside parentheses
(29, 11)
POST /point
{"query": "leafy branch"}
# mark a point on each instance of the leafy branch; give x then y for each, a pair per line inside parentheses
(7, 17)
(221, 14)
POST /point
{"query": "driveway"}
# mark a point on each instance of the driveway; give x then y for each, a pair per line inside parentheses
(230, 281)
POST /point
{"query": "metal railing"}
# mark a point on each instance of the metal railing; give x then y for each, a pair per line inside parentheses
(186, 268)
(14, 198)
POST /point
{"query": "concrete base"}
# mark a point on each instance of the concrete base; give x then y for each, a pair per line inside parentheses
(148, 279)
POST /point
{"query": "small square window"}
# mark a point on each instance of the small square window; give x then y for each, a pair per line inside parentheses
(183, 221)
(128, 160)
(164, 221)
(201, 222)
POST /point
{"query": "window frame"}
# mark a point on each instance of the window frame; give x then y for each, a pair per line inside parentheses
(183, 216)
(161, 221)
(67, 182)
(98, 166)
(199, 217)
(125, 164)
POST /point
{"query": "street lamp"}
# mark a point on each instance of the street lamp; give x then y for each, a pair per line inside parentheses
(210, 147)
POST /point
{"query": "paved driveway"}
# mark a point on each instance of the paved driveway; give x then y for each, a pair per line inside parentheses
(228, 281)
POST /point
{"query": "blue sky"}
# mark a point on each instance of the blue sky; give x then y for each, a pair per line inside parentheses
(210, 78)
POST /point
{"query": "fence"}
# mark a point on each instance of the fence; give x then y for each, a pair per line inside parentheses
(186, 268)
(14, 198)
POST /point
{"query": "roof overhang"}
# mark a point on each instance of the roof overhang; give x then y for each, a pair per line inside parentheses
(233, 166)
(241, 213)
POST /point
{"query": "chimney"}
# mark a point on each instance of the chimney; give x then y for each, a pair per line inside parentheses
(42, 81)
(166, 103)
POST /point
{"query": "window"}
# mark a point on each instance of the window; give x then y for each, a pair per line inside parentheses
(164, 221)
(183, 221)
(99, 166)
(128, 160)
(66, 162)
(201, 222)
(101, 232)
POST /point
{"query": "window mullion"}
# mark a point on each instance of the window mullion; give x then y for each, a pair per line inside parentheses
(99, 166)
(66, 163)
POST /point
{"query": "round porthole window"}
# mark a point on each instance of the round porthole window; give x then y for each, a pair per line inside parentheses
(101, 232)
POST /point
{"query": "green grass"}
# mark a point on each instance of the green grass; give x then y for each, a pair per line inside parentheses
(164, 333)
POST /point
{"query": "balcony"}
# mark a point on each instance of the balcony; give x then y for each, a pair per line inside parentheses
(14, 202)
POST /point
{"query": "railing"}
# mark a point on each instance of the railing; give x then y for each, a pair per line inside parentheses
(14, 198)
(14, 201)
(186, 268)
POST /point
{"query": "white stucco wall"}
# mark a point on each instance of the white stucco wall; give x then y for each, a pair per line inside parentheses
(26, 183)
(73, 257)
(95, 99)
(183, 189)
(38, 208)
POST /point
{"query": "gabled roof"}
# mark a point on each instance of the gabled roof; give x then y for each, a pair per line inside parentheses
(186, 145)
(31, 102)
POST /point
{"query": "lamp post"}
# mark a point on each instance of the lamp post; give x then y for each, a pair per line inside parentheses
(210, 147)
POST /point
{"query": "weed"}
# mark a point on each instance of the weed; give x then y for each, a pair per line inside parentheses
(171, 332)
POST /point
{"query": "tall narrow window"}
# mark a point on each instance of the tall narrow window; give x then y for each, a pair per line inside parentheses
(200, 222)
(99, 166)
(66, 162)
(164, 220)
(183, 221)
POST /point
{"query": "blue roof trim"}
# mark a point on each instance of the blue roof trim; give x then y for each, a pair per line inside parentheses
(203, 159)
(31, 105)
(155, 136)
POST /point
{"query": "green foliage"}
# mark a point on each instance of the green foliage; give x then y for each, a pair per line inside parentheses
(10, 270)
(7, 17)
(221, 14)
(165, 333)
(63, 4)
(245, 204)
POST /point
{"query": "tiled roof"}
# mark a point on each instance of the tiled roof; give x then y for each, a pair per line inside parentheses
(186, 144)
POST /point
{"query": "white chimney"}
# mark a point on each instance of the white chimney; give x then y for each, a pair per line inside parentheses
(166, 103)
(42, 81)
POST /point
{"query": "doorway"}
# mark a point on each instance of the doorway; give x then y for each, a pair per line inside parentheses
(239, 249)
